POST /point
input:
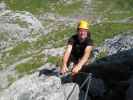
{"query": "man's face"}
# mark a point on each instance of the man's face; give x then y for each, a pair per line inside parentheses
(82, 33)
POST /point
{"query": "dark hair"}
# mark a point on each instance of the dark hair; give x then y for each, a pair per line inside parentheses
(89, 34)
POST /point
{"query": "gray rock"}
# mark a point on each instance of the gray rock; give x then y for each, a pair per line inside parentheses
(55, 21)
(115, 45)
(118, 43)
(71, 91)
(54, 51)
(68, 1)
(3, 6)
(18, 26)
(33, 87)
(120, 47)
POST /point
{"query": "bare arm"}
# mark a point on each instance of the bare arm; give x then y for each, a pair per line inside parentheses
(67, 55)
(87, 54)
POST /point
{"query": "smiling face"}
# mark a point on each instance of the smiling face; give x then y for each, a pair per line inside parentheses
(82, 34)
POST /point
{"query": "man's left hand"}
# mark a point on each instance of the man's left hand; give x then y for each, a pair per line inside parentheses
(76, 69)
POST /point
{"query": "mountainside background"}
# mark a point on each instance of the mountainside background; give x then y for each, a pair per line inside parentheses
(33, 33)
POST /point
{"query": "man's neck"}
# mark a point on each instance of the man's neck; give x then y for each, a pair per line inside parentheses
(82, 40)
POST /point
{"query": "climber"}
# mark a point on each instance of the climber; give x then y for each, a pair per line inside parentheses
(79, 49)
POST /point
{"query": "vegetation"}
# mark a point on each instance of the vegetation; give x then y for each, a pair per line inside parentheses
(59, 38)
(55, 39)
(109, 10)
(11, 79)
(113, 5)
(119, 16)
(55, 60)
(107, 30)
(39, 6)
(102, 54)
(3, 36)
(26, 49)
(64, 9)
(113, 9)
(20, 48)
(31, 65)
(18, 52)
(21, 23)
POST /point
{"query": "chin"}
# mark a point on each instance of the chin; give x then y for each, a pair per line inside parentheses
(82, 39)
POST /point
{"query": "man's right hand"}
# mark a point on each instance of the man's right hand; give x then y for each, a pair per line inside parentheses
(64, 69)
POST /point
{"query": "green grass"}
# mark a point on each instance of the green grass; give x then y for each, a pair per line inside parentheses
(4, 36)
(1, 67)
(31, 65)
(55, 60)
(59, 38)
(102, 54)
(34, 6)
(113, 5)
(20, 48)
(56, 39)
(64, 9)
(17, 53)
(39, 6)
(113, 9)
(11, 79)
(123, 5)
(21, 23)
(102, 31)
(120, 16)
(25, 49)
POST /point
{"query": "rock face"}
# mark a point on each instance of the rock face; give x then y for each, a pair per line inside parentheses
(54, 51)
(18, 26)
(116, 67)
(118, 57)
(116, 45)
(34, 87)
(50, 87)
(3, 6)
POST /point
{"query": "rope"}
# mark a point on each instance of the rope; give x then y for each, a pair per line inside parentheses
(87, 80)
(88, 86)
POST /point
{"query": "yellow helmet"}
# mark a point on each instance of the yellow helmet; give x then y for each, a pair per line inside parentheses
(83, 24)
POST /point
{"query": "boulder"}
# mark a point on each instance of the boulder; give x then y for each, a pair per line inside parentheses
(44, 87)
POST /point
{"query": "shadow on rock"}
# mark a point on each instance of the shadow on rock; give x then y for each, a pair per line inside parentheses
(112, 77)
(48, 72)
(115, 73)
(54, 72)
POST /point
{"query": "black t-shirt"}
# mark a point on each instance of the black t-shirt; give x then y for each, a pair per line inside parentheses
(79, 48)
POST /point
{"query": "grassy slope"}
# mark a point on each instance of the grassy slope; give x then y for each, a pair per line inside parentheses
(107, 9)
(111, 11)
(24, 49)
(41, 6)
(102, 31)
(37, 61)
